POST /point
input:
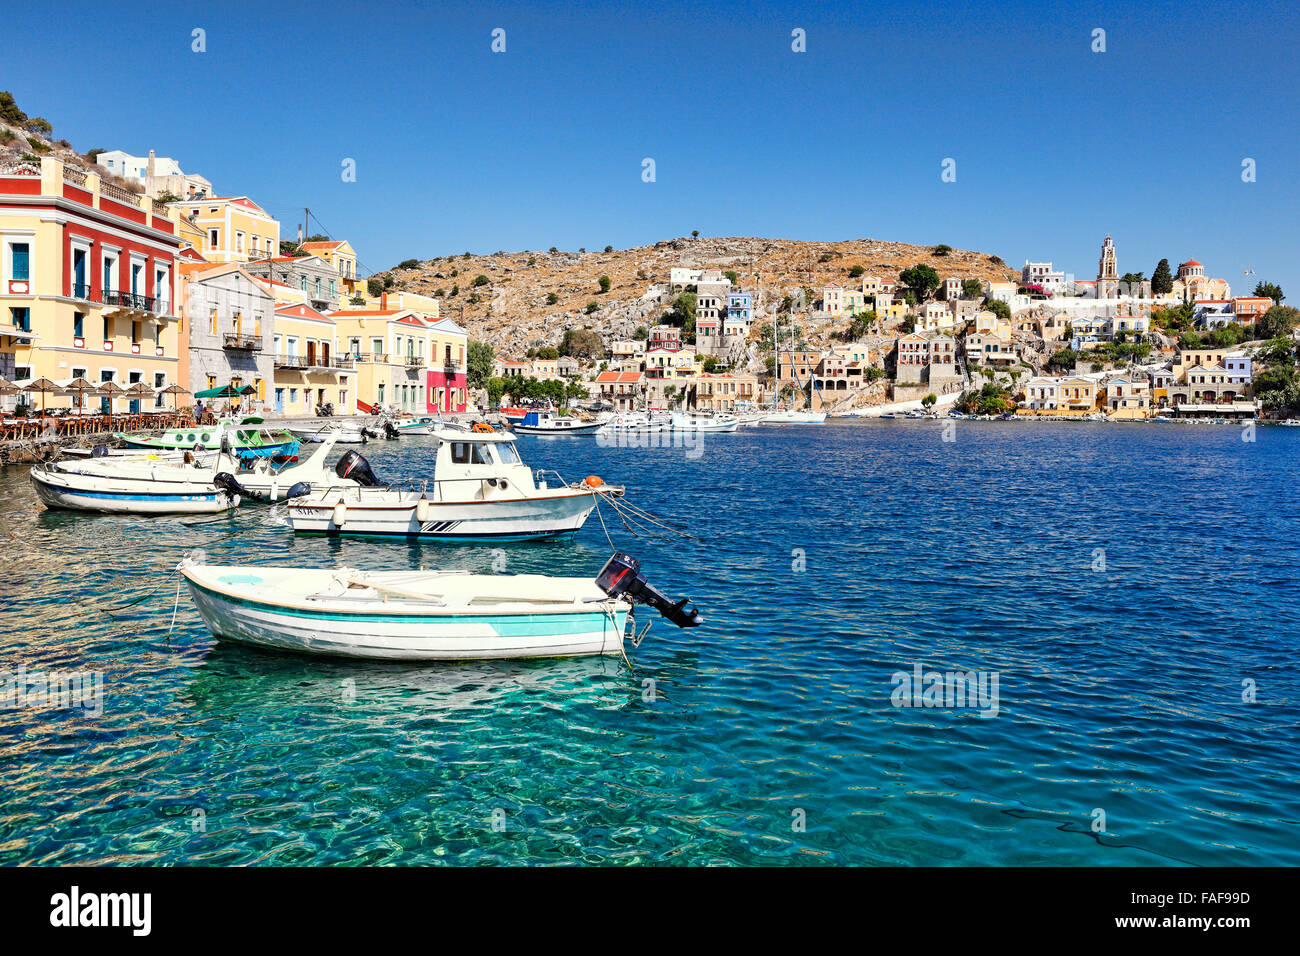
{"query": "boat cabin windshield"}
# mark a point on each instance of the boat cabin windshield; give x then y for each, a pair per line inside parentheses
(509, 454)
(469, 453)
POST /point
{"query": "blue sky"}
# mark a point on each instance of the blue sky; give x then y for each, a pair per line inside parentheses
(459, 148)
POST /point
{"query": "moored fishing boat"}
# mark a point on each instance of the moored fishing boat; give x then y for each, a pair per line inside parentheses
(425, 615)
(124, 486)
(480, 490)
(792, 416)
(245, 439)
(549, 423)
(704, 422)
(637, 422)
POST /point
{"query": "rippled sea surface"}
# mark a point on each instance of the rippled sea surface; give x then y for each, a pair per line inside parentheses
(1128, 584)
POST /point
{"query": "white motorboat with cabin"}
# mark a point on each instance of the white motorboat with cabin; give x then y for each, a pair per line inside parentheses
(550, 423)
(704, 422)
(794, 416)
(481, 490)
(425, 615)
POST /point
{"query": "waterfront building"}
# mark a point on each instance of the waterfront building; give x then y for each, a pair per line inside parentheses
(87, 273)
(406, 361)
(1076, 394)
(308, 367)
(1128, 397)
(234, 228)
(1041, 393)
(622, 390)
(226, 317)
(723, 392)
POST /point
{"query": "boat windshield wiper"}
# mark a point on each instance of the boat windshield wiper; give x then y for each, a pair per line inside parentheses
(622, 575)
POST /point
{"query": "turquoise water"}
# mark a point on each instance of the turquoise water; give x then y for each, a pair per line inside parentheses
(1121, 580)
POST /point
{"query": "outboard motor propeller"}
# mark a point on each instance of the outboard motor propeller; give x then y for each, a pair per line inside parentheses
(227, 483)
(622, 575)
(298, 490)
(354, 466)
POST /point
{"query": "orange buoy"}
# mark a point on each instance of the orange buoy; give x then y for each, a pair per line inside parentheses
(594, 481)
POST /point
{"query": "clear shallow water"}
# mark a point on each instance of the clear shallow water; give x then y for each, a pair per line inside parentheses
(1119, 690)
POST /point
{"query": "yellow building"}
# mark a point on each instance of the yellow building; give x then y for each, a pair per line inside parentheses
(343, 260)
(406, 361)
(231, 228)
(87, 273)
(309, 370)
(1077, 395)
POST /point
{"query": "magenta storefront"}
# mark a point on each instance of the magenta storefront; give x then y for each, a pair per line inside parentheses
(447, 391)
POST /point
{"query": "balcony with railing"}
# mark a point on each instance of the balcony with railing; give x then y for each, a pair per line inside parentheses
(291, 361)
(372, 358)
(414, 361)
(243, 343)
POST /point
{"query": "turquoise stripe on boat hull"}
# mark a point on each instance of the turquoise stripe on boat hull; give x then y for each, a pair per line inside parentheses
(505, 625)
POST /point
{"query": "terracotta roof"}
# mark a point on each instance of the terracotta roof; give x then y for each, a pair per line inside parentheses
(618, 378)
(291, 311)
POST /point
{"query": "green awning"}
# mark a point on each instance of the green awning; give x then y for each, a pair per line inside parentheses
(225, 391)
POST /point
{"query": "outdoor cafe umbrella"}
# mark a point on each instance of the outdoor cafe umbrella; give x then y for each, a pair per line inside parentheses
(110, 390)
(41, 385)
(79, 387)
(175, 390)
(139, 390)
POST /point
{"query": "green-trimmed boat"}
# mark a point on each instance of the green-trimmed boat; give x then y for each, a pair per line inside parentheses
(245, 439)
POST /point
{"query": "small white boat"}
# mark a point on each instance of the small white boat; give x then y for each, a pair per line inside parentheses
(549, 423)
(704, 422)
(342, 433)
(481, 489)
(134, 486)
(1290, 423)
(637, 422)
(425, 615)
(791, 416)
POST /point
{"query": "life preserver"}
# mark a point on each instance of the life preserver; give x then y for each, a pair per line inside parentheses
(481, 427)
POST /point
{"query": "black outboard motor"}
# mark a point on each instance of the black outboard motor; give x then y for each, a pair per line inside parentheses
(226, 482)
(99, 451)
(622, 575)
(353, 466)
(298, 490)
(390, 430)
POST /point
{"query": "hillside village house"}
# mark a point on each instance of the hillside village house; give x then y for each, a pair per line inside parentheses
(159, 175)
(227, 316)
(1044, 276)
(87, 272)
(912, 354)
(622, 390)
(234, 228)
(504, 368)
(309, 370)
(668, 369)
(1250, 309)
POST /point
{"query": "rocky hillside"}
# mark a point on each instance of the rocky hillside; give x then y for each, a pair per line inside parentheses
(530, 298)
